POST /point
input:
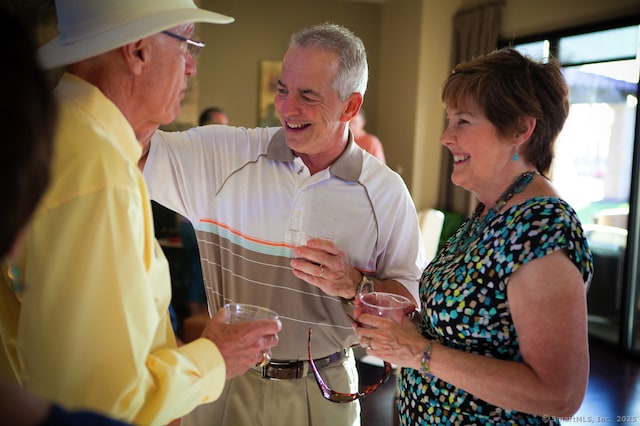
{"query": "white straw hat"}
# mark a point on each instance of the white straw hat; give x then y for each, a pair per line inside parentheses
(90, 27)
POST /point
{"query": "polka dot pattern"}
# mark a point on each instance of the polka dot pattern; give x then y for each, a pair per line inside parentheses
(465, 307)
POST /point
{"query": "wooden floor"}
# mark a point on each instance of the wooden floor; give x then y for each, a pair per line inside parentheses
(613, 394)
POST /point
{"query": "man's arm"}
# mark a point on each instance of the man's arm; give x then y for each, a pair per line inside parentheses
(113, 349)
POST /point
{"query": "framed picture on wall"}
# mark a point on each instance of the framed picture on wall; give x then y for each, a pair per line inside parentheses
(269, 74)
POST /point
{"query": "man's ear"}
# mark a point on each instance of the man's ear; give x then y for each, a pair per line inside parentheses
(137, 54)
(354, 102)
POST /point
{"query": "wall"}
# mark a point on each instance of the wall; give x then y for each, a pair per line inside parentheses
(415, 56)
(399, 74)
(521, 17)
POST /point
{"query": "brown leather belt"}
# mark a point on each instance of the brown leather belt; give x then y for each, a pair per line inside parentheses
(287, 370)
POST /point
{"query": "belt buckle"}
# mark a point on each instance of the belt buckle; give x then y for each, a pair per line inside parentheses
(265, 371)
(292, 370)
(296, 369)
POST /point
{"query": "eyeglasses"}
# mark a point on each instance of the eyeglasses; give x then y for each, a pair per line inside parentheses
(193, 47)
(341, 397)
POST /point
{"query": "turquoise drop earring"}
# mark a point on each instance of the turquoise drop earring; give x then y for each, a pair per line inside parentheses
(13, 275)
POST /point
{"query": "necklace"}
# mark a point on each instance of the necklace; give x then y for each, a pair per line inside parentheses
(475, 225)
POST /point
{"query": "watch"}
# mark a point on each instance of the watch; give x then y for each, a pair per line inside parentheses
(365, 285)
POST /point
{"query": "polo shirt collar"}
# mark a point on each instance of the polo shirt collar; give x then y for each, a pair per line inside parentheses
(346, 167)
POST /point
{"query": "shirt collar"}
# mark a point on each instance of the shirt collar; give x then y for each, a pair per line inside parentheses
(348, 166)
(103, 111)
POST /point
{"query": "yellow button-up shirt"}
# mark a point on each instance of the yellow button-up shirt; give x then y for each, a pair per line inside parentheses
(91, 328)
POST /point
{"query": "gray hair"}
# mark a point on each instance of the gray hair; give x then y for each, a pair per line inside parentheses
(353, 71)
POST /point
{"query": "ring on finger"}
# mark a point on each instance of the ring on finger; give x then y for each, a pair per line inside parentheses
(265, 359)
(321, 271)
(368, 343)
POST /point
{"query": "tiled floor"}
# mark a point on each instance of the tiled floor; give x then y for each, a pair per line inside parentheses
(613, 394)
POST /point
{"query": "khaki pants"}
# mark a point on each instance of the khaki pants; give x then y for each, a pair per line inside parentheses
(250, 400)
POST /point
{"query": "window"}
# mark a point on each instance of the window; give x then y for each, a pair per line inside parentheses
(594, 161)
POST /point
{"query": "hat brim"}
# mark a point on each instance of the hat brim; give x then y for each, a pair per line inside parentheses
(55, 53)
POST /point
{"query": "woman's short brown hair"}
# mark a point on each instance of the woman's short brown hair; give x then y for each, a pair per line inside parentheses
(507, 87)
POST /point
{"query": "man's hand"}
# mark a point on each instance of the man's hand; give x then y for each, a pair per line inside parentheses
(241, 344)
(323, 264)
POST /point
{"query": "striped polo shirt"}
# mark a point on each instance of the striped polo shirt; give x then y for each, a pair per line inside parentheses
(246, 192)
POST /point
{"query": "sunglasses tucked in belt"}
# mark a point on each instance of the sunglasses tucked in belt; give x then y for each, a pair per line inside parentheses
(340, 397)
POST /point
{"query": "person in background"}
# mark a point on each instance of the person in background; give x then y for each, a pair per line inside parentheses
(273, 210)
(367, 141)
(196, 295)
(90, 326)
(213, 115)
(503, 336)
(28, 121)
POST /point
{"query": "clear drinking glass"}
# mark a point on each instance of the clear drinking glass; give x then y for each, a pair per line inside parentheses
(242, 312)
(388, 305)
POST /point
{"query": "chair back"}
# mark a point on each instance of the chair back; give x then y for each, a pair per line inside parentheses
(431, 222)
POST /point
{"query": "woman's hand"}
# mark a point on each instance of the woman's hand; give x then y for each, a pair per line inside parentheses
(400, 344)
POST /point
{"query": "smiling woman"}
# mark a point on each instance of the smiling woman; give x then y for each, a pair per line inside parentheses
(505, 297)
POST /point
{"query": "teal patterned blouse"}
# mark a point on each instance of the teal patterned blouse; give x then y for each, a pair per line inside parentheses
(464, 305)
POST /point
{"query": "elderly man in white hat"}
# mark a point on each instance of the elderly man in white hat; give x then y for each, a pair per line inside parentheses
(85, 321)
